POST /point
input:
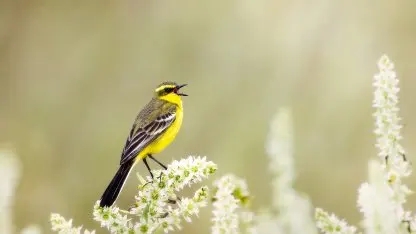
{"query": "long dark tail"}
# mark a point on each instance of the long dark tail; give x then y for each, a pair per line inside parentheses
(113, 189)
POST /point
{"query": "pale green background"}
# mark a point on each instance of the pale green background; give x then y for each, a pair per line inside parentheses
(73, 75)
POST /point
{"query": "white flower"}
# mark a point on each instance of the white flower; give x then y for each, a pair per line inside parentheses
(225, 218)
(279, 148)
(157, 206)
(112, 219)
(381, 199)
(32, 229)
(331, 224)
(294, 209)
(247, 221)
(230, 198)
(378, 210)
(10, 173)
(60, 225)
(387, 120)
(375, 200)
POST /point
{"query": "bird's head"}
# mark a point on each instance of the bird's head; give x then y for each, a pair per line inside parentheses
(169, 91)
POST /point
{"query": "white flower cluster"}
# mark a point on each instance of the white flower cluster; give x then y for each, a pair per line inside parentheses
(60, 225)
(112, 219)
(230, 197)
(31, 229)
(157, 206)
(294, 209)
(375, 203)
(388, 127)
(279, 149)
(381, 199)
(387, 120)
(10, 173)
(331, 224)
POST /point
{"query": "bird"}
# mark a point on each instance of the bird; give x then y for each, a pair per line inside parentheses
(154, 128)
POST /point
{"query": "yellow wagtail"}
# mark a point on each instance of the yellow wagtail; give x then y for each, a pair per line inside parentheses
(155, 127)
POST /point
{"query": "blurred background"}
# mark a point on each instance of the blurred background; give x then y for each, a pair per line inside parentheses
(73, 75)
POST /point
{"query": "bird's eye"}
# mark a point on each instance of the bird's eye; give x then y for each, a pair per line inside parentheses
(169, 90)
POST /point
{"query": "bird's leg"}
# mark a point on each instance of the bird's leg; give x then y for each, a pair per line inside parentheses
(148, 168)
(161, 164)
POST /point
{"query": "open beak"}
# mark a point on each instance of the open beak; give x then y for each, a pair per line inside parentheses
(178, 88)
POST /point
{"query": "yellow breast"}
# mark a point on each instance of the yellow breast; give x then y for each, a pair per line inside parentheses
(165, 139)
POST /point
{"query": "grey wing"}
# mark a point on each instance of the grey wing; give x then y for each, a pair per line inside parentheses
(142, 137)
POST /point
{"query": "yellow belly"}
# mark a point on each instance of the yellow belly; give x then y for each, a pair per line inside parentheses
(165, 139)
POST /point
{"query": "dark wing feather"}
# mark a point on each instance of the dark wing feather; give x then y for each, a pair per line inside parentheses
(143, 136)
